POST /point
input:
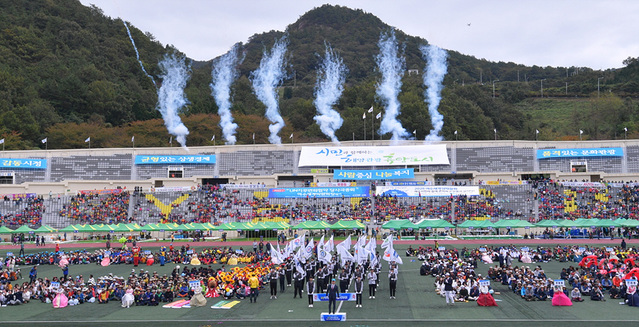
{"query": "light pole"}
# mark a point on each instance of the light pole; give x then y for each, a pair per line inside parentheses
(598, 79)
(542, 87)
(494, 87)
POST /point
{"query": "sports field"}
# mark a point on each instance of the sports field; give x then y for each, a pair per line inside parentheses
(416, 304)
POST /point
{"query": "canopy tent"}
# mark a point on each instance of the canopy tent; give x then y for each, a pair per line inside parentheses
(512, 223)
(232, 226)
(312, 225)
(46, 229)
(69, 229)
(5, 230)
(23, 229)
(434, 223)
(347, 224)
(477, 224)
(549, 223)
(399, 224)
(606, 223)
(627, 222)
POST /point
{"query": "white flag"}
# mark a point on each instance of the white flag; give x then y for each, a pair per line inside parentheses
(171, 139)
(346, 244)
(388, 241)
(414, 132)
(581, 132)
(253, 136)
(370, 110)
(625, 129)
(88, 139)
(45, 140)
(308, 251)
(275, 256)
(290, 137)
(329, 246)
(133, 138)
(344, 254)
(2, 141)
(364, 116)
(395, 257)
(455, 132)
(379, 115)
(361, 241)
(371, 246)
(213, 138)
(360, 254)
(372, 258)
(495, 130)
(536, 131)
(300, 255)
(297, 242)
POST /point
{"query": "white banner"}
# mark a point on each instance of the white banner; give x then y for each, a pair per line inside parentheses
(333, 184)
(237, 186)
(431, 191)
(172, 189)
(374, 156)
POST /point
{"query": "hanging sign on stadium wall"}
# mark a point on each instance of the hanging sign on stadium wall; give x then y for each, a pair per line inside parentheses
(374, 155)
(572, 153)
(320, 192)
(412, 191)
(374, 174)
(24, 163)
(161, 160)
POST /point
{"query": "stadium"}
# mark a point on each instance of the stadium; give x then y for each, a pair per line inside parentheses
(503, 168)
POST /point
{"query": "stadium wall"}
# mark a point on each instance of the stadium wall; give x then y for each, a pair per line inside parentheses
(69, 171)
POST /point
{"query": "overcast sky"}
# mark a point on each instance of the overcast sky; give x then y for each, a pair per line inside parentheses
(597, 34)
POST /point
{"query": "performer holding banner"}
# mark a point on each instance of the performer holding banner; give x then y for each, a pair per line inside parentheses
(558, 297)
(136, 254)
(485, 298)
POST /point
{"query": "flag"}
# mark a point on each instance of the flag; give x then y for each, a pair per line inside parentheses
(379, 115)
(253, 136)
(308, 250)
(275, 256)
(388, 241)
(372, 258)
(300, 255)
(133, 138)
(346, 244)
(360, 254)
(361, 241)
(171, 139)
(625, 129)
(344, 254)
(395, 257)
(364, 116)
(45, 140)
(455, 132)
(371, 246)
(495, 130)
(329, 246)
(297, 242)
(536, 131)
(414, 132)
(581, 132)
(2, 141)
(213, 138)
(290, 137)
(88, 139)
(370, 110)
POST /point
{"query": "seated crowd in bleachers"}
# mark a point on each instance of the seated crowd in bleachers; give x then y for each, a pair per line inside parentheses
(21, 211)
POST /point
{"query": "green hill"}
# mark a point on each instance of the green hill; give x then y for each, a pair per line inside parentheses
(67, 71)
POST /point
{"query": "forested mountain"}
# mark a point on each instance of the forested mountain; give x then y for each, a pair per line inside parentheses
(68, 72)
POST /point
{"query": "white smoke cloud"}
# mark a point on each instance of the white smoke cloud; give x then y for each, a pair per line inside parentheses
(223, 74)
(392, 66)
(328, 88)
(265, 80)
(171, 97)
(436, 69)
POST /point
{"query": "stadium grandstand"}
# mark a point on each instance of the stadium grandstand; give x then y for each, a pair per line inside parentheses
(516, 180)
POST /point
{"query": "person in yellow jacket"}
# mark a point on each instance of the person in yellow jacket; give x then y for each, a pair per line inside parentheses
(254, 284)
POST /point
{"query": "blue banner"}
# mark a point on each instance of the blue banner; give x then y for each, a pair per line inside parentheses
(341, 297)
(572, 153)
(411, 183)
(24, 163)
(320, 192)
(374, 174)
(163, 160)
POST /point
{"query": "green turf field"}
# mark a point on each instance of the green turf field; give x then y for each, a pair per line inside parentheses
(416, 304)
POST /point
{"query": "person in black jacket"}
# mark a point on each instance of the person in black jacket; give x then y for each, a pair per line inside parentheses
(310, 290)
(333, 293)
(298, 281)
(359, 287)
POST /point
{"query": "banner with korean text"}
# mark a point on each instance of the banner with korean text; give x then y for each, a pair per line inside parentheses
(23, 163)
(573, 153)
(320, 192)
(430, 191)
(162, 160)
(374, 155)
(374, 174)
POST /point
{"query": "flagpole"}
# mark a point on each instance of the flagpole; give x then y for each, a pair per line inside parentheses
(364, 127)
(372, 126)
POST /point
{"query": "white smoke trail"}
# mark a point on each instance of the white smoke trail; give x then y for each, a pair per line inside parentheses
(436, 69)
(171, 97)
(265, 80)
(329, 86)
(223, 74)
(392, 66)
(137, 54)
